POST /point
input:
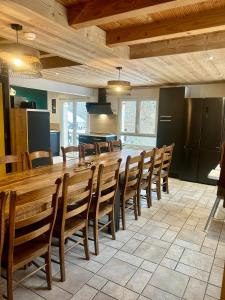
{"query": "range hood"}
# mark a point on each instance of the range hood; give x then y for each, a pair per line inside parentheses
(100, 107)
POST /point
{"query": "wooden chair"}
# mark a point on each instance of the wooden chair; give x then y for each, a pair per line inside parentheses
(103, 147)
(116, 145)
(31, 220)
(17, 161)
(3, 198)
(156, 178)
(88, 150)
(73, 213)
(71, 149)
(167, 159)
(146, 178)
(103, 200)
(130, 186)
(38, 154)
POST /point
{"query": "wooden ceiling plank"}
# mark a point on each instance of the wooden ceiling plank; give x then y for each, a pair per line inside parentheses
(199, 23)
(98, 12)
(53, 62)
(210, 41)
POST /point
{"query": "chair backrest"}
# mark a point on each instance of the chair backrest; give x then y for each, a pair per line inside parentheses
(103, 147)
(38, 154)
(158, 160)
(133, 172)
(16, 160)
(88, 149)
(108, 178)
(222, 153)
(77, 189)
(167, 157)
(148, 164)
(32, 215)
(116, 145)
(71, 149)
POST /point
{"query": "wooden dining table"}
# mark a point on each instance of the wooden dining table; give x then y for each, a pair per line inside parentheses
(28, 180)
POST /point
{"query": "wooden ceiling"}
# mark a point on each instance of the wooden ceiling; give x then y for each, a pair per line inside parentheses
(156, 42)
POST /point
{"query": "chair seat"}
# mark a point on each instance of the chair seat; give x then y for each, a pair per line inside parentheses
(104, 209)
(27, 252)
(164, 173)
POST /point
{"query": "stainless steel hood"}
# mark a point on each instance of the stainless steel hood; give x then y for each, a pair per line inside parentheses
(100, 107)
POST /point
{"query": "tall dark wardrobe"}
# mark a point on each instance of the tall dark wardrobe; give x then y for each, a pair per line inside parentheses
(197, 127)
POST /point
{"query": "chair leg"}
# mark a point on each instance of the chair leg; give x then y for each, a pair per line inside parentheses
(9, 284)
(123, 215)
(95, 228)
(139, 202)
(112, 225)
(48, 269)
(135, 207)
(85, 239)
(149, 196)
(167, 185)
(62, 259)
(158, 189)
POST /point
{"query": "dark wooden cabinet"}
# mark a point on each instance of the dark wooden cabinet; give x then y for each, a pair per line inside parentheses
(55, 142)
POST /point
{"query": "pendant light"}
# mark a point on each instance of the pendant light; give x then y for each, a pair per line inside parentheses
(118, 86)
(22, 61)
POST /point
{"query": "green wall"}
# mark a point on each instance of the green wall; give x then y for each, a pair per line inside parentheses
(39, 96)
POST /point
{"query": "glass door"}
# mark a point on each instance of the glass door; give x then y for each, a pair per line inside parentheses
(74, 122)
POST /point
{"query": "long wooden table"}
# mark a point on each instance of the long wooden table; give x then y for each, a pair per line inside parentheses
(28, 180)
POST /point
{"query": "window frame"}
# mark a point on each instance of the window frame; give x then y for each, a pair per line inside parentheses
(138, 110)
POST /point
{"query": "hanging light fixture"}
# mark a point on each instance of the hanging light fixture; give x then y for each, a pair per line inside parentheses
(118, 86)
(22, 61)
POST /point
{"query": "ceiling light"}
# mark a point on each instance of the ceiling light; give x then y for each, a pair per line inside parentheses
(30, 36)
(118, 86)
(22, 61)
(211, 57)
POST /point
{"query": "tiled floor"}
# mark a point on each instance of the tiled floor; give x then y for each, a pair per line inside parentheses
(164, 255)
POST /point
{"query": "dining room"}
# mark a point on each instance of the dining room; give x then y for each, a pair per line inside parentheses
(112, 149)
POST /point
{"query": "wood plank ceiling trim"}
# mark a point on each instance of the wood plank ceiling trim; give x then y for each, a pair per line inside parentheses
(98, 12)
(203, 22)
(204, 42)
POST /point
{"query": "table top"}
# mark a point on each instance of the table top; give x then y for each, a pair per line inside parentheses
(28, 180)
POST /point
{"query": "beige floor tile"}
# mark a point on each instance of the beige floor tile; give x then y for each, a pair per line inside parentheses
(76, 277)
(150, 252)
(216, 276)
(138, 282)
(140, 237)
(104, 255)
(149, 266)
(158, 224)
(169, 263)
(169, 236)
(131, 245)
(101, 296)
(157, 242)
(119, 292)
(124, 235)
(152, 231)
(115, 244)
(174, 220)
(213, 291)
(175, 252)
(188, 245)
(196, 259)
(86, 292)
(191, 236)
(55, 293)
(220, 252)
(93, 266)
(117, 271)
(129, 258)
(154, 293)
(21, 293)
(193, 272)
(170, 281)
(97, 282)
(195, 289)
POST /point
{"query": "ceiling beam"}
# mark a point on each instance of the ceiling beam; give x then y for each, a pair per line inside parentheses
(51, 62)
(209, 41)
(199, 23)
(98, 12)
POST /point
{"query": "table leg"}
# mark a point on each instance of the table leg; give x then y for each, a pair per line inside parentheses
(212, 213)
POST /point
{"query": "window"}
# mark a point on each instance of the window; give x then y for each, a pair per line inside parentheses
(138, 119)
(74, 121)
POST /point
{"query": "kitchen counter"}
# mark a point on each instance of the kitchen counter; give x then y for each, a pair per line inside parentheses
(104, 135)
